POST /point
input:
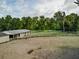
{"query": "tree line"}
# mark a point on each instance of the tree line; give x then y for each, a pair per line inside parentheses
(60, 21)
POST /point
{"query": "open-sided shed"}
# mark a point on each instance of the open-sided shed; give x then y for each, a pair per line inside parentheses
(14, 34)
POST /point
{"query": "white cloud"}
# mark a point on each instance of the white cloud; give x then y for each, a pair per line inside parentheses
(45, 7)
(70, 6)
(4, 9)
(38, 7)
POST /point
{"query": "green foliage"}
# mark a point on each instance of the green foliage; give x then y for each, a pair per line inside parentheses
(60, 22)
(59, 17)
(71, 23)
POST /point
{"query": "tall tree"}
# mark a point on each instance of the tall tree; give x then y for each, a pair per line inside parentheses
(71, 23)
(16, 24)
(41, 23)
(35, 23)
(59, 17)
(53, 24)
(2, 24)
(27, 23)
(8, 19)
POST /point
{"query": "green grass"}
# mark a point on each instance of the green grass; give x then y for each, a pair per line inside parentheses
(51, 33)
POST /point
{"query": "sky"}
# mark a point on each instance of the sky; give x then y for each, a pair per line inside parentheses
(20, 8)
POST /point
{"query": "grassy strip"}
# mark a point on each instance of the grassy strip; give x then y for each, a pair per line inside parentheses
(50, 33)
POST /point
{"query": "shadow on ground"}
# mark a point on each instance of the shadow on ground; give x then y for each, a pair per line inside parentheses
(69, 53)
(58, 53)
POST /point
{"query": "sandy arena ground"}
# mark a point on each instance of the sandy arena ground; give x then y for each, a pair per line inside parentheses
(60, 48)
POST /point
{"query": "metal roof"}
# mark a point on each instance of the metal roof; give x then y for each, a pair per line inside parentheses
(13, 32)
(2, 34)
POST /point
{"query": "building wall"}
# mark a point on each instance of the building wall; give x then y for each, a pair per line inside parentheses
(21, 36)
(4, 39)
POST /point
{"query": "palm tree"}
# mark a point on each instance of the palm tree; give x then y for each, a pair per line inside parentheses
(77, 2)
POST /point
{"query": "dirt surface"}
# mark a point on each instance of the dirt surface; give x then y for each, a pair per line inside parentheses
(41, 48)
